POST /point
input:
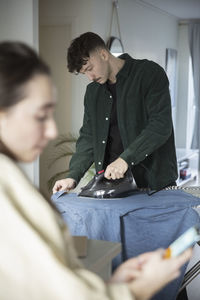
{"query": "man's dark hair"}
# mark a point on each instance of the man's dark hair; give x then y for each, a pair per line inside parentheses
(81, 48)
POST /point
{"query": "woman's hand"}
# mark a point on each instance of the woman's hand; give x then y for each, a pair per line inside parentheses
(130, 269)
(149, 272)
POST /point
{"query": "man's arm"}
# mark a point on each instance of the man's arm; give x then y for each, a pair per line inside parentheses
(157, 103)
(82, 158)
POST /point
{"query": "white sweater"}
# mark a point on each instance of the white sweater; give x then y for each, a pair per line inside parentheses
(37, 258)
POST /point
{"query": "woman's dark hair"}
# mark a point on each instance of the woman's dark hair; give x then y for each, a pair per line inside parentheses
(81, 48)
(18, 64)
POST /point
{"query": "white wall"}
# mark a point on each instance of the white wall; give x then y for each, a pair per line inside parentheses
(19, 21)
(146, 31)
(78, 15)
(16, 20)
(183, 71)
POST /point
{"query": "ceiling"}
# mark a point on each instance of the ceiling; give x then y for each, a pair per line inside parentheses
(182, 9)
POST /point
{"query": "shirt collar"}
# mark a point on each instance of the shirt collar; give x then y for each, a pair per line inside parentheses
(127, 66)
(125, 69)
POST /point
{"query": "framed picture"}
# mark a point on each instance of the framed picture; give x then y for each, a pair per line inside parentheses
(170, 68)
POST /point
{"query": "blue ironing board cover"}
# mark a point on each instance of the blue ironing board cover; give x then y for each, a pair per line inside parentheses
(140, 222)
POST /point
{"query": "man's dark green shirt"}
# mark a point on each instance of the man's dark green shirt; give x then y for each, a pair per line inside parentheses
(144, 120)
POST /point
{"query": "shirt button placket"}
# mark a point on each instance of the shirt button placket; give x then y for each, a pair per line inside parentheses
(106, 118)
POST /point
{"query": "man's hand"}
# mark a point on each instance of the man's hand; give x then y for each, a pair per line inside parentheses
(64, 185)
(116, 169)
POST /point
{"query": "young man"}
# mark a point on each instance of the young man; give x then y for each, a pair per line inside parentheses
(127, 117)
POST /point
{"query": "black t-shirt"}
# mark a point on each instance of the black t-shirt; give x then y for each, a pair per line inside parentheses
(114, 146)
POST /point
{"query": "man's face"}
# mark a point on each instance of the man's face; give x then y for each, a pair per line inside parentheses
(97, 66)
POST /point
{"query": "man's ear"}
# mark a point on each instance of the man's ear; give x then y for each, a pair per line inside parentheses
(104, 54)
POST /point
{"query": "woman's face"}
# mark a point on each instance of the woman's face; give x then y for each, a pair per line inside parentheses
(26, 127)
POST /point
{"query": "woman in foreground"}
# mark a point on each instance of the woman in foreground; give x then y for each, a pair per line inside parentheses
(37, 258)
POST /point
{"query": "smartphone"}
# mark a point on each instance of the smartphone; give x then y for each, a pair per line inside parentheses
(186, 240)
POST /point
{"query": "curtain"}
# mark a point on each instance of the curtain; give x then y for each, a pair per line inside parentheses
(194, 45)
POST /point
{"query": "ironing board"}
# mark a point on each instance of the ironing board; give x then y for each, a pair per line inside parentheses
(140, 222)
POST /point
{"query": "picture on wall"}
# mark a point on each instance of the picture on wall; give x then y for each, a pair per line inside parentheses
(170, 68)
